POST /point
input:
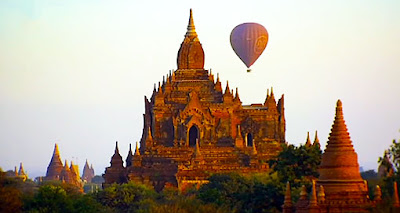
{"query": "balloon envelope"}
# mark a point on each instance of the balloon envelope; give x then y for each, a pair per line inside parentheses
(249, 40)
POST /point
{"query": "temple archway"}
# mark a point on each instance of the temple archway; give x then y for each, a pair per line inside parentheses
(249, 139)
(193, 135)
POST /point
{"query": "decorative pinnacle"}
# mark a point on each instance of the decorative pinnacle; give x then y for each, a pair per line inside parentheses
(116, 147)
(137, 149)
(149, 137)
(191, 30)
(56, 151)
(313, 199)
(339, 133)
(316, 140)
(308, 142)
(66, 165)
(288, 196)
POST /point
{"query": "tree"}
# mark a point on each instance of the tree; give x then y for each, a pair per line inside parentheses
(128, 197)
(10, 195)
(243, 194)
(297, 164)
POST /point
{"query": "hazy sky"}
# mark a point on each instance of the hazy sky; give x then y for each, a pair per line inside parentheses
(75, 72)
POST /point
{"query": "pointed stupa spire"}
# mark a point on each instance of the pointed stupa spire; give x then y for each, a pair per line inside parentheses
(191, 54)
(272, 93)
(21, 169)
(395, 198)
(149, 137)
(128, 160)
(339, 133)
(116, 151)
(15, 171)
(308, 142)
(227, 90)
(116, 159)
(313, 199)
(316, 140)
(237, 98)
(191, 29)
(137, 152)
(340, 163)
(55, 165)
(288, 196)
(339, 147)
(66, 167)
(217, 85)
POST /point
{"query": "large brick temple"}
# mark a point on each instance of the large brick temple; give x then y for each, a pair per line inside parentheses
(193, 128)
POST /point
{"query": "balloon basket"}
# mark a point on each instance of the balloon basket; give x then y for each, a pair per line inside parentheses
(248, 70)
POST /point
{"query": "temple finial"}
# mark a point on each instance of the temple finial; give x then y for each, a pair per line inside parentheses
(137, 149)
(313, 199)
(116, 147)
(191, 30)
(316, 140)
(308, 142)
(149, 137)
(288, 197)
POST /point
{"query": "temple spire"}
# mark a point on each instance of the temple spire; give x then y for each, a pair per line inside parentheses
(339, 133)
(191, 29)
(137, 149)
(313, 199)
(55, 165)
(288, 197)
(227, 90)
(308, 142)
(191, 53)
(316, 140)
(116, 148)
(129, 158)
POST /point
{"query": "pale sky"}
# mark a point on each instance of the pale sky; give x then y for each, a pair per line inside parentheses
(75, 72)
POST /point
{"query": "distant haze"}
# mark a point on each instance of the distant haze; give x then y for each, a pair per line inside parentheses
(76, 72)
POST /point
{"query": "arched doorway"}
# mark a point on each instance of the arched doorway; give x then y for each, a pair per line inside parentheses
(249, 139)
(193, 135)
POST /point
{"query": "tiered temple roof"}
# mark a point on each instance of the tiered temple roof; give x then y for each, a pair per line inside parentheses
(189, 113)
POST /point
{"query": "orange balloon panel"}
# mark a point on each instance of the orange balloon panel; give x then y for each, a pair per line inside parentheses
(249, 40)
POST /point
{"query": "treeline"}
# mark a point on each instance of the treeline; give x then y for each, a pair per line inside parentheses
(224, 192)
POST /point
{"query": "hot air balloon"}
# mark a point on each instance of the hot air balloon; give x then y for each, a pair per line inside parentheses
(249, 40)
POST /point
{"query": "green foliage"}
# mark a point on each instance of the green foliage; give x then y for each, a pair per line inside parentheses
(297, 164)
(394, 156)
(129, 197)
(242, 194)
